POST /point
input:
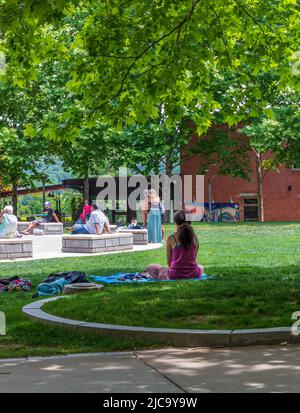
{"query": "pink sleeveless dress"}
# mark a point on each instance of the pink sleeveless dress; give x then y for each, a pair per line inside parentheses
(184, 263)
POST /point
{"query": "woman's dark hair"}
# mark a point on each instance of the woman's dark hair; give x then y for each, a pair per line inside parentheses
(186, 233)
(179, 218)
(95, 207)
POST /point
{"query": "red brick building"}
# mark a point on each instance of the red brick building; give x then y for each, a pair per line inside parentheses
(281, 191)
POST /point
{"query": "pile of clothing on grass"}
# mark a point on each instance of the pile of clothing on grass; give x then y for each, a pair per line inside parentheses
(54, 283)
(14, 284)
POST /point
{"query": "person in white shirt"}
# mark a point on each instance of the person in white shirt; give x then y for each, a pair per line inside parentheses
(8, 223)
(103, 216)
(97, 223)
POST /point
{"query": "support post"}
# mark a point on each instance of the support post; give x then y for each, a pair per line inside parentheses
(210, 199)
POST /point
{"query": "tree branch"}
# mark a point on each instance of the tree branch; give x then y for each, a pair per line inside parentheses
(151, 68)
(241, 6)
(143, 52)
(184, 158)
(222, 34)
(124, 2)
(139, 56)
(265, 174)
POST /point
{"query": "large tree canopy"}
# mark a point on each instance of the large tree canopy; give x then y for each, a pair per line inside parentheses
(22, 159)
(126, 58)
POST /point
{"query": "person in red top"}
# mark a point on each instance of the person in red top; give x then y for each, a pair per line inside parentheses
(182, 250)
(86, 213)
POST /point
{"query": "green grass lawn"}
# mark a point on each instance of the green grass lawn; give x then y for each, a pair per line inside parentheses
(257, 284)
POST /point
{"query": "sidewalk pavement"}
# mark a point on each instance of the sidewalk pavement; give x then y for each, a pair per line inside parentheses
(243, 369)
(49, 246)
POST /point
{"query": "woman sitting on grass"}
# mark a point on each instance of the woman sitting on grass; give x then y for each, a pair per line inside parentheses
(182, 250)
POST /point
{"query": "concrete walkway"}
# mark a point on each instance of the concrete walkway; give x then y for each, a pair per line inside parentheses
(244, 369)
(49, 246)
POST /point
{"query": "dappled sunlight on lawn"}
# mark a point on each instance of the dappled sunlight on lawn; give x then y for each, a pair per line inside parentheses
(257, 283)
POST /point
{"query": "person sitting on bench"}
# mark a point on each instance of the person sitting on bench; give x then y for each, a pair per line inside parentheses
(103, 215)
(8, 223)
(182, 250)
(49, 216)
(97, 224)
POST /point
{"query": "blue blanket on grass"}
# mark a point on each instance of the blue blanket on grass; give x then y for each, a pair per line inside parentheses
(48, 289)
(122, 277)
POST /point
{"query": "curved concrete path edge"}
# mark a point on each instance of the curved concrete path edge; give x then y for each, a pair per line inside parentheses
(169, 336)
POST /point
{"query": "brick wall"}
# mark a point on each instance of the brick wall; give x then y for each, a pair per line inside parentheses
(281, 202)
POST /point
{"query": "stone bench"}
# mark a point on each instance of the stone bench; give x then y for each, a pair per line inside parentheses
(97, 243)
(113, 229)
(140, 236)
(49, 228)
(15, 248)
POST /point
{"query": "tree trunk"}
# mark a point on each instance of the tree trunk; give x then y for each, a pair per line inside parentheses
(261, 215)
(169, 166)
(169, 170)
(209, 200)
(86, 183)
(44, 197)
(86, 189)
(14, 198)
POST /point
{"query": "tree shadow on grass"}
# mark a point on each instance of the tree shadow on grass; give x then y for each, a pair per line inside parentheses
(238, 297)
(229, 301)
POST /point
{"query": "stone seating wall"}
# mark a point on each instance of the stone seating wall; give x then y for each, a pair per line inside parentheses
(97, 243)
(140, 236)
(15, 248)
(51, 228)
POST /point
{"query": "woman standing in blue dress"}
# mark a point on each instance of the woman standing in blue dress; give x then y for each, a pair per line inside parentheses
(154, 218)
